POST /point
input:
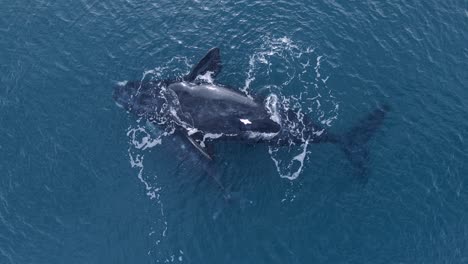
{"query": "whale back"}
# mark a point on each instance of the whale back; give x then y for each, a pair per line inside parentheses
(216, 109)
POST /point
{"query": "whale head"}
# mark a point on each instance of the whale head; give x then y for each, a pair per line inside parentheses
(141, 99)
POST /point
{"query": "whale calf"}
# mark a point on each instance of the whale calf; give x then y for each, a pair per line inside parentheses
(203, 113)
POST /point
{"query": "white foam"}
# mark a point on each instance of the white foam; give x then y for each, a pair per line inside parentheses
(271, 104)
(207, 77)
(250, 77)
(317, 67)
(260, 135)
(290, 175)
(122, 83)
(191, 131)
(141, 139)
(210, 136)
(118, 105)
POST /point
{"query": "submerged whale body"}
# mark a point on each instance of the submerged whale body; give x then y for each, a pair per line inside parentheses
(203, 113)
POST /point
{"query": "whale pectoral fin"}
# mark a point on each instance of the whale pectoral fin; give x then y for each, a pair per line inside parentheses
(210, 63)
(202, 150)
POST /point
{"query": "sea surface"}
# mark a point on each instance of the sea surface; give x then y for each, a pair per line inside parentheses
(82, 181)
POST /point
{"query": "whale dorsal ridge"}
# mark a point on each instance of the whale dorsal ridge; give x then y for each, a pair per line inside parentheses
(210, 63)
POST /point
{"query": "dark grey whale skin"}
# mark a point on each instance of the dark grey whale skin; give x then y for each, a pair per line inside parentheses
(200, 109)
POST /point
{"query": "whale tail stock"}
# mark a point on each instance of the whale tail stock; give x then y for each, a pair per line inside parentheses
(354, 142)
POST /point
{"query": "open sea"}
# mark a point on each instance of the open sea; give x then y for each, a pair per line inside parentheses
(82, 181)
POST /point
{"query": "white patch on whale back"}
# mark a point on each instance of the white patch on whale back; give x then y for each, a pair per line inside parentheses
(245, 121)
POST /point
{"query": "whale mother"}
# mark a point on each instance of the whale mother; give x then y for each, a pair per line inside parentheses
(204, 112)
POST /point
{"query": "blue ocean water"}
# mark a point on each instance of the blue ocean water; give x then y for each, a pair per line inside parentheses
(84, 182)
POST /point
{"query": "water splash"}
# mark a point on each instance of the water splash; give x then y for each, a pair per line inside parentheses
(292, 72)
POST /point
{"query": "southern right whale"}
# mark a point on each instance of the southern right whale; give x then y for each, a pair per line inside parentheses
(204, 112)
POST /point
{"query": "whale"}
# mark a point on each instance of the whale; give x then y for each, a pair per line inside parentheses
(202, 111)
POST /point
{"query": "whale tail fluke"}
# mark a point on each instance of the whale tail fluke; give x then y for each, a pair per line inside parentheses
(354, 142)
